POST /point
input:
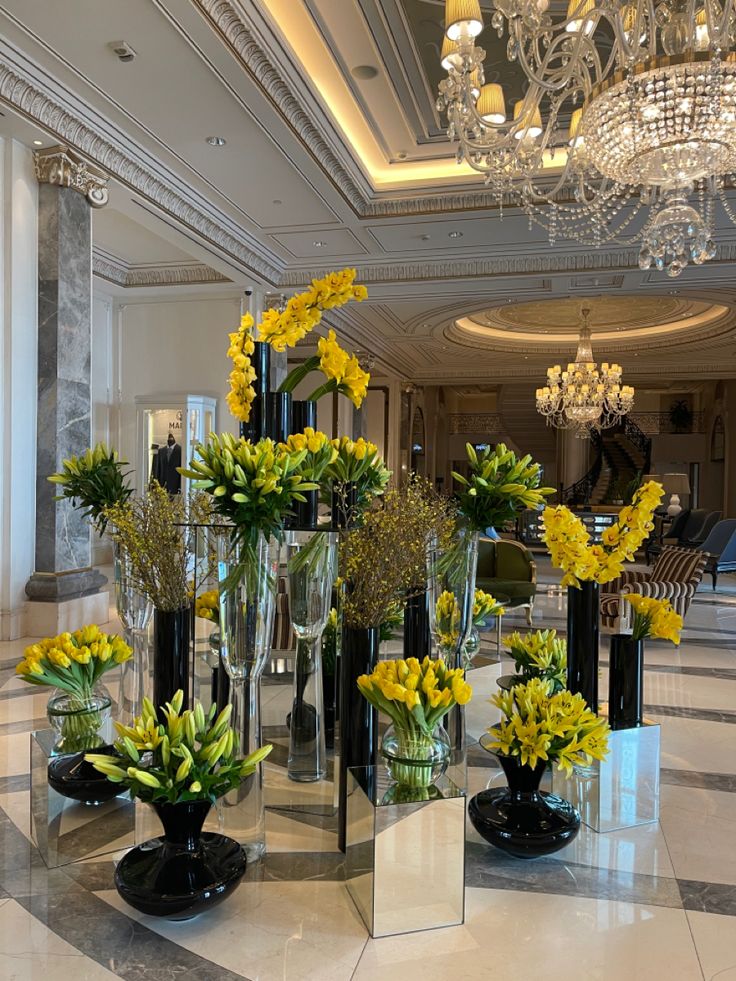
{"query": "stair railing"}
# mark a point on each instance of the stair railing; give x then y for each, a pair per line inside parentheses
(582, 490)
(638, 438)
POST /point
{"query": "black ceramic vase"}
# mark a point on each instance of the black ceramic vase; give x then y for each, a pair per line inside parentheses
(521, 819)
(184, 872)
(278, 407)
(303, 414)
(358, 718)
(625, 682)
(417, 638)
(74, 778)
(171, 654)
(582, 641)
(256, 426)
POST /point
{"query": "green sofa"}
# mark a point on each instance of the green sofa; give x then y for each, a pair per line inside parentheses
(506, 568)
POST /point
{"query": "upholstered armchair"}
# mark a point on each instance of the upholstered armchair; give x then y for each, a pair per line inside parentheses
(506, 569)
(674, 576)
(720, 549)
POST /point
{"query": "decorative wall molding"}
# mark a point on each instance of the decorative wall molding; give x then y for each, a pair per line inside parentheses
(487, 423)
(63, 167)
(116, 270)
(26, 95)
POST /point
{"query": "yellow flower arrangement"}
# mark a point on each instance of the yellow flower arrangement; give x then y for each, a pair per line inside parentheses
(207, 606)
(539, 654)
(74, 661)
(177, 756)
(240, 397)
(654, 618)
(357, 466)
(568, 541)
(447, 616)
(415, 695)
(94, 480)
(317, 448)
(538, 726)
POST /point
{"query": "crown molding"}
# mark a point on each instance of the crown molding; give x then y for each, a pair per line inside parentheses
(33, 98)
(128, 275)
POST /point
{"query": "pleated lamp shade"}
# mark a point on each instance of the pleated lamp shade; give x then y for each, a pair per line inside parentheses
(575, 118)
(491, 104)
(449, 57)
(533, 121)
(578, 9)
(463, 18)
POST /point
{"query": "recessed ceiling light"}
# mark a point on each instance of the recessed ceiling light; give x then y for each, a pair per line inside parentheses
(318, 243)
(364, 72)
(38, 142)
(216, 140)
(277, 201)
(426, 238)
(402, 155)
(455, 235)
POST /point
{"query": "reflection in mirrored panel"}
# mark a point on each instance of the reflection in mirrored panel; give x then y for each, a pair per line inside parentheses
(405, 852)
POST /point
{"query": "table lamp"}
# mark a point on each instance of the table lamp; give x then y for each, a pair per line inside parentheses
(674, 485)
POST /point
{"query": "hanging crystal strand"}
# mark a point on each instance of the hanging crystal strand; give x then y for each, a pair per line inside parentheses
(715, 84)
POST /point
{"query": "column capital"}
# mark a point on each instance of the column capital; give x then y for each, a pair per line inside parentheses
(64, 167)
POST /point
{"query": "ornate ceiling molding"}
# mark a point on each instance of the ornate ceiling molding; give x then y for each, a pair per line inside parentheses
(63, 167)
(116, 270)
(28, 96)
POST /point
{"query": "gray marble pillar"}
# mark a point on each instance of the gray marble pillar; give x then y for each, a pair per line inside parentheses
(63, 552)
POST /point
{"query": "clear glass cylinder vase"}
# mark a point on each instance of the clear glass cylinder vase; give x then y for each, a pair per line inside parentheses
(248, 575)
(134, 612)
(451, 568)
(79, 718)
(311, 569)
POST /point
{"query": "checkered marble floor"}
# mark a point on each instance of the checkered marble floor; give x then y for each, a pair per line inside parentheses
(658, 901)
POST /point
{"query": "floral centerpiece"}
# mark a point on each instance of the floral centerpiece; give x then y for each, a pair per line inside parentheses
(539, 654)
(568, 540)
(74, 663)
(354, 478)
(174, 756)
(540, 727)
(207, 606)
(95, 481)
(447, 619)
(654, 618)
(416, 697)
(498, 486)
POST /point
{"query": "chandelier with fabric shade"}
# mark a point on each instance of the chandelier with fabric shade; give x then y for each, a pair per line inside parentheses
(627, 129)
(585, 396)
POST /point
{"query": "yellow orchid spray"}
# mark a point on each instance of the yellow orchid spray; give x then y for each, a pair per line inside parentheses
(240, 397)
(568, 541)
(654, 618)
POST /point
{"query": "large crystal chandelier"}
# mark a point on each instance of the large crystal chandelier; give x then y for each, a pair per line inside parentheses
(584, 397)
(627, 129)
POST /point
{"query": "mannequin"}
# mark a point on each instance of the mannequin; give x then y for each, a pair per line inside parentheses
(167, 460)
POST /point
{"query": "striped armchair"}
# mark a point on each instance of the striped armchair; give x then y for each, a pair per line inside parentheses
(674, 576)
(284, 638)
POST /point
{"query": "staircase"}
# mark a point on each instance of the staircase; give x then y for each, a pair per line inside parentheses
(623, 452)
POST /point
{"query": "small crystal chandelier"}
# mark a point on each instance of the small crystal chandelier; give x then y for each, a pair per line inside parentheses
(584, 397)
(627, 130)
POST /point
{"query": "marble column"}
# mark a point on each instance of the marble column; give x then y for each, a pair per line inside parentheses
(67, 189)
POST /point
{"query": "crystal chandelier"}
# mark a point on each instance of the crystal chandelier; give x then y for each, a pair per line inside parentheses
(627, 130)
(584, 397)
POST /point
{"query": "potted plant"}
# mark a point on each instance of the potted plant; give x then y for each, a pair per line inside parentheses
(537, 729)
(416, 697)
(681, 416)
(538, 654)
(652, 618)
(179, 762)
(73, 664)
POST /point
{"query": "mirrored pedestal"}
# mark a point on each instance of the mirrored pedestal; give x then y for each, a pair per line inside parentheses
(405, 860)
(623, 791)
(66, 830)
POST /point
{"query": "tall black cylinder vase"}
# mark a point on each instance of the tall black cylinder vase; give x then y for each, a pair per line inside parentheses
(625, 682)
(171, 654)
(303, 414)
(417, 638)
(278, 422)
(256, 427)
(358, 718)
(582, 641)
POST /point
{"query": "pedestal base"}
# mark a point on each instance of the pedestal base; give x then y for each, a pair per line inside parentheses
(623, 790)
(47, 619)
(405, 859)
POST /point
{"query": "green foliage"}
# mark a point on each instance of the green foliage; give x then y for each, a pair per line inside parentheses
(93, 481)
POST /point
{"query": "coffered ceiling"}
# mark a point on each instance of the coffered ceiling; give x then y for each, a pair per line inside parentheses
(334, 155)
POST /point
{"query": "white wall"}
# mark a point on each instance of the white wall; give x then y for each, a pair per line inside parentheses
(18, 375)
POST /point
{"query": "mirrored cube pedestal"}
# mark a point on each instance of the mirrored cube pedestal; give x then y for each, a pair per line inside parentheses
(405, 859)
(623, 790)
(67, 830)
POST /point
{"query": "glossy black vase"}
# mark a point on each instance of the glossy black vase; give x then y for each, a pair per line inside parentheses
(521, 819)
(256, 426)
(171, 654)
(278, 424)
(582, 641)
(72, 777)
(417, 638)
(625, 682)
(184, 872)
(358, 718)
(304, 414)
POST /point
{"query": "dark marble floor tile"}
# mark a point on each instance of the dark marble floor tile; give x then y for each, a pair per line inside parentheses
(688, 712)
(488, 868)
(23, 725)
(127, 948)
(298, 867)
(15, 784)
(708, 897)
(724, 782)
